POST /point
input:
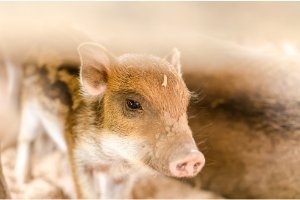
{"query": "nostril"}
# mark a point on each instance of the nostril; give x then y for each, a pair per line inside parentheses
(197, 165)
(188, 166)
(181, 166)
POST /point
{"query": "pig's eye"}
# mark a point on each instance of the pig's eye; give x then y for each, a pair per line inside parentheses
(133, 105)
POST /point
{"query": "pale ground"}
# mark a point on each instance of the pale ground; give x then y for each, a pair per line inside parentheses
(137, 27)
(47, 179)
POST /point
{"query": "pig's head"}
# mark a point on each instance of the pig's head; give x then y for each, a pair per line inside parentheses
(144, 102)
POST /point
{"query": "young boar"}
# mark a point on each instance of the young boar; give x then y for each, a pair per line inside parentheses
(110, 108)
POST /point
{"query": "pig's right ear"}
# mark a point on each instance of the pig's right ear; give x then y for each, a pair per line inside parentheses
(174, 59)
(95, 64)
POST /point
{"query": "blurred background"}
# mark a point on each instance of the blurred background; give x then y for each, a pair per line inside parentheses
(200, 30)
(206, 33)
(157, 26)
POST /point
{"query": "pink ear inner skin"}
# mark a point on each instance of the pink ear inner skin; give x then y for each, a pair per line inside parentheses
(94, 90)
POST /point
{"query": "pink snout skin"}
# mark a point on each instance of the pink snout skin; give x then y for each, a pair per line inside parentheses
(188, 166)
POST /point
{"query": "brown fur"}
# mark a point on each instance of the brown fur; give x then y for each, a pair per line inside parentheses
(252, 141)
(127, 79)
(159, 130)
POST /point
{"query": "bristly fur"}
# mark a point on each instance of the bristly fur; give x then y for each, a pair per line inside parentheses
(86, 102)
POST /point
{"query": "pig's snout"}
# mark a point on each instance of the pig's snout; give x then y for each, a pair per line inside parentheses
(188, 166)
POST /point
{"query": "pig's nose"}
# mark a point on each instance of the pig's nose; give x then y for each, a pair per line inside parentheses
(187, 166)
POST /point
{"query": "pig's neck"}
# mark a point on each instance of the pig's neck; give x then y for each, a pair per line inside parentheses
(86, 114)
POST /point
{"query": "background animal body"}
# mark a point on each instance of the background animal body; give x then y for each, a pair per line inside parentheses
(245, 67)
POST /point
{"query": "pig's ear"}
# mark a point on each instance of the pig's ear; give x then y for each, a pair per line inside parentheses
(95, 65)
(174, 59)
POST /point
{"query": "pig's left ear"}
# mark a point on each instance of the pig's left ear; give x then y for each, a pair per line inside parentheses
(174, 59)
(96, 62)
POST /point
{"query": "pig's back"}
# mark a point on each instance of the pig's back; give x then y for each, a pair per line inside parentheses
(250, 115)
(51, 84)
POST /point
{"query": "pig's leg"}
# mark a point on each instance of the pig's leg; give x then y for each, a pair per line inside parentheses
(29, 127)
(14, 73)
(102, 183)
(99, 174)
(109, 185)
(55, 130)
